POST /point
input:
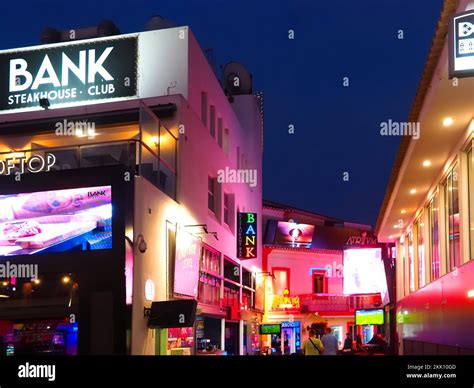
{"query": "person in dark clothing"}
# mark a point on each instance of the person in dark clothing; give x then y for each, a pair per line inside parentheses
(348, 342)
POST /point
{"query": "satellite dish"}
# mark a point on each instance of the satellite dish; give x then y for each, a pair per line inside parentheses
(158, 23)
(107, 28)
(236, 79)
(50, 35)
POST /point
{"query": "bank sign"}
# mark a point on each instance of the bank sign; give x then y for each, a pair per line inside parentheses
(69, 73)
(246, 235)
(461, 45)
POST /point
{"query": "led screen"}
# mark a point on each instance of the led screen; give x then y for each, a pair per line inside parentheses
(364, 271)
(270, 328)
(56, 221)
(369, 317)
(293, 234)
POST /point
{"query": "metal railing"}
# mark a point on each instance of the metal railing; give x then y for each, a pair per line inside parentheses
(330, 302)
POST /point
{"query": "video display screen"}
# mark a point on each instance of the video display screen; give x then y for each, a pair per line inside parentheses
(364, 271)
(293, 234)
(56, 221)
(369, 317)
(270, 328)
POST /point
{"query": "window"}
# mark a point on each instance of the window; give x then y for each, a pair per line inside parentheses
(420, 227)
(226, 141)
(319, 281)
(209, 281)
(231, 270)
(204, 108)
(452, 219)
(411, 262)
(212, 123)
(434, 238)
(238, 158)
(226, 208)
(219, 131)
(470, 168)
(211, 194)
(281, 280)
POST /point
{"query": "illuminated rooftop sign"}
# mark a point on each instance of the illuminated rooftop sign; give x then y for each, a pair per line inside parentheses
(461, 45)
(63, 74)
(93, 71)
(247, 235)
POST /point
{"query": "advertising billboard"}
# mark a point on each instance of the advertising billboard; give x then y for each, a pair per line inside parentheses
(186, 269)
(364, 272)
(293, 234)
(95, 70)
(71, 73)
(56, 221)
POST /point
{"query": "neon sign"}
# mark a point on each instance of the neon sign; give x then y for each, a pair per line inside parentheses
(21, 164)
(247, 235)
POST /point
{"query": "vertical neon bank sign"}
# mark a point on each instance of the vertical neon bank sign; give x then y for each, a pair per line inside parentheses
(247, 235)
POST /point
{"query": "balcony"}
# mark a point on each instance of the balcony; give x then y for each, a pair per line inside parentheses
(152, 153)
(337, 303)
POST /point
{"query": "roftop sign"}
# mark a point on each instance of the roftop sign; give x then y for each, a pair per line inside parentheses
(107, 69)
(461, 45)
(70, 73)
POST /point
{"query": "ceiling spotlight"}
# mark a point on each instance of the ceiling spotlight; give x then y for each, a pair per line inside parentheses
(413, 191)
(66, 279)
(403, 211)
(448, 121)
(426, 163)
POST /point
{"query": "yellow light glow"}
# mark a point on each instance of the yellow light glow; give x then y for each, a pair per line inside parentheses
(37, 281)
(413, 191)
(426, 163)
(403, 211)
(66, 279)
(448, 121)
(155, 140)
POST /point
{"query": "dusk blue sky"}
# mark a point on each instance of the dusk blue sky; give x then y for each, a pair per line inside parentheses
(337, 129)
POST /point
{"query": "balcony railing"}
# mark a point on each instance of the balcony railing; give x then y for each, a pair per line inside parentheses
(133, 154)
(336, 303)
(152, 154)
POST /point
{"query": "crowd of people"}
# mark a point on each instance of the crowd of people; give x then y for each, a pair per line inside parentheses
(328, 345)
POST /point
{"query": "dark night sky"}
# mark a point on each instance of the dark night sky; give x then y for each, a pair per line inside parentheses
(336, 128)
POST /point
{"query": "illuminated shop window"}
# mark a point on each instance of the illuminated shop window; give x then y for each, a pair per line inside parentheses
(433, 209)
(281, 280)
(421, 253)
(470, 166)
(411, 262)
(453, 247)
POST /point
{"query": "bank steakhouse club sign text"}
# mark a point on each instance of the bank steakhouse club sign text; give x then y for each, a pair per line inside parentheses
(247, 235)
(95, 70)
